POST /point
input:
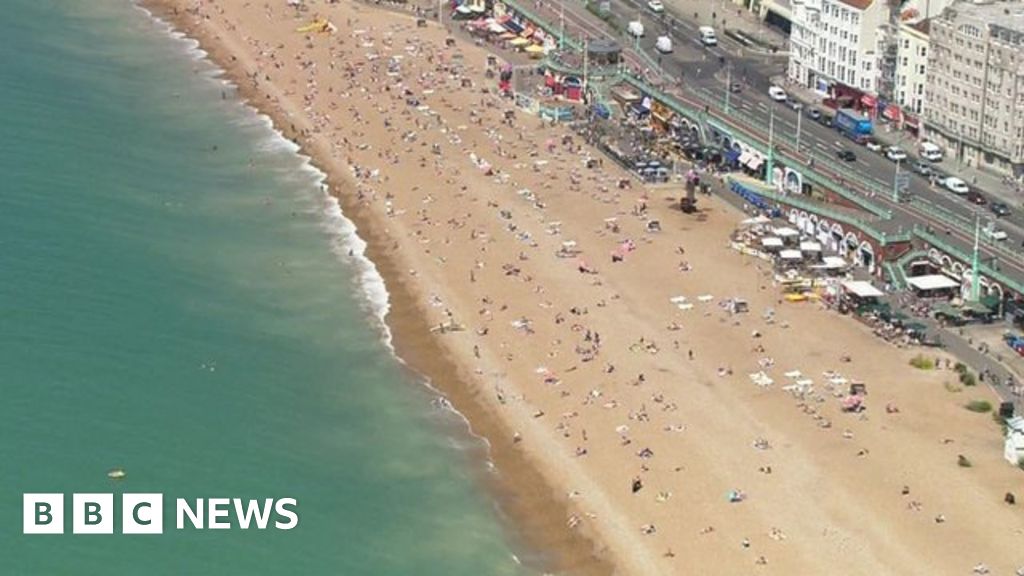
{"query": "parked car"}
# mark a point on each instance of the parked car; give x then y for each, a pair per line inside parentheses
(814, 114)
(777, 94)
(846, 155)
(999, 208)
(956, 186)
(656, 6)
(825, 120)
(635, 29)
(735, 88)
(993, 233)
(895, 154)
(872, 144)
(794, 104)
(922, 168)
(975, 197)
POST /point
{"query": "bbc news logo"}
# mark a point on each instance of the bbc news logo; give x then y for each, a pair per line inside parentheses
(144, 513)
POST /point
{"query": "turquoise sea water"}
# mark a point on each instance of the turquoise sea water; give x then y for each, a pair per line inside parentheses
(176, 299)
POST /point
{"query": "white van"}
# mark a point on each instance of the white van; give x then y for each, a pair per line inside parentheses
(663, 45)
(635, 29)
(930, 152)
(707, 36)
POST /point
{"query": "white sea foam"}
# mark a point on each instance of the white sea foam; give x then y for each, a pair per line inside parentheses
(346, 242)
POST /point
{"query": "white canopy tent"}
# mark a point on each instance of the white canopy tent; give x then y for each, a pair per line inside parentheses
(771, 242)
(831, 263)
(862, 289)
(786, 232)
(791, 255)
(932, 282)
(808, 246)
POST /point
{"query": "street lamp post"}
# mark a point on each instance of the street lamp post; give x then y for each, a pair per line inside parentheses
(896, 184)
(770, 165)
(799, 117)
(561, 24)
(975, 284)
(728, 87)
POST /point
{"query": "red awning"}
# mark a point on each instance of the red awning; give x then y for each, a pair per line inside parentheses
(892, 112)
(868, 100)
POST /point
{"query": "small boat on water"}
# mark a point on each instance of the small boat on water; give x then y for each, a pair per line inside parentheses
(116, 474)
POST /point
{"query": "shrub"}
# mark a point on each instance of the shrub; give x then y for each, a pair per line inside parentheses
(967, 379)
(979, 406)
(950, 387)
(960, 367)
(922, 363)
(1020, 462)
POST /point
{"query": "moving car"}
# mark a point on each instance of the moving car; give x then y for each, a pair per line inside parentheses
(922, 168)
(735, 88)
(975, 197)
(814, 114)
(993, 233)
(707, 36)
(930, 152)
(635, 29)
(663, 45)
(656, 6)
(873, 145)
(999, 208)
(846, 155)
(895, 154)
(956, 186)
(777, 94)
(825, 120)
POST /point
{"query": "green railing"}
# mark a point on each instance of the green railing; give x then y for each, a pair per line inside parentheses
(790, 141)
(955, 252)
(895, 274)
(811, 175)
(798, 202)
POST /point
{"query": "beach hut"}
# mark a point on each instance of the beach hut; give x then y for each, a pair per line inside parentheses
(1014, 448)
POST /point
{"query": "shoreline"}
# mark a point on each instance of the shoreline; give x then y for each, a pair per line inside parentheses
(534, 520)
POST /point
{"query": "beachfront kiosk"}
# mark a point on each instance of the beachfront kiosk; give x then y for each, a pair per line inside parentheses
(858, 295)
(933, 286)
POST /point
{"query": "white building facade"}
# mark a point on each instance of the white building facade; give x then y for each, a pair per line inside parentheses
(912, 67)
(836, 42)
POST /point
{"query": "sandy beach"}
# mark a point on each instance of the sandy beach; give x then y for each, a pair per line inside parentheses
(599, 359)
